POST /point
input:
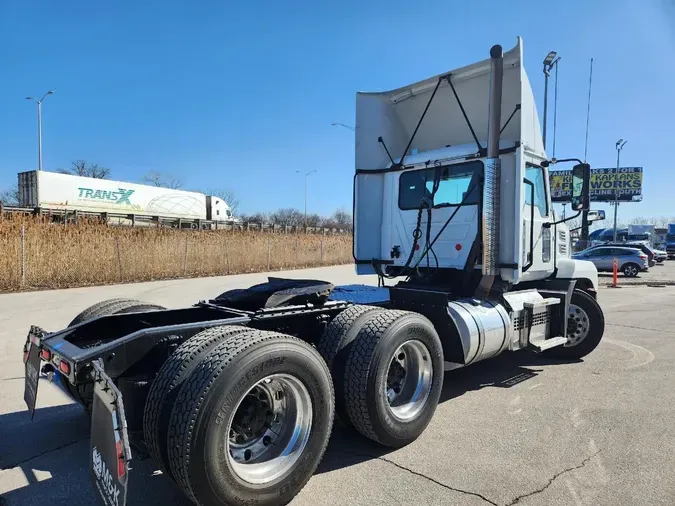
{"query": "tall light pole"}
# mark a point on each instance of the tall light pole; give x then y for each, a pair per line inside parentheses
(306, 174)
(345, 126)
(619, 146)
(549, 62)
(39, 118)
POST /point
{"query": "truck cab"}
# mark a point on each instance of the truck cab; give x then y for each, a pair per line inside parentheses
(670, 241)
(425, 210)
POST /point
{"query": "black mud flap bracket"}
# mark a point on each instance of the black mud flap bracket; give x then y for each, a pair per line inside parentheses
(110, 452)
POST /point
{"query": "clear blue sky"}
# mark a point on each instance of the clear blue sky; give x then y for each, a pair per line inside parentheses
(240, 95)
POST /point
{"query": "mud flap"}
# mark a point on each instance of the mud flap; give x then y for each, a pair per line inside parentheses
(32, 361)
(110, 451)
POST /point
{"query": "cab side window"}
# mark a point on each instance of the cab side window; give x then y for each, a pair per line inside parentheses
(536, 176)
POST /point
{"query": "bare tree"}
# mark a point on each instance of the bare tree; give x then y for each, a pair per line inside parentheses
(342, 217)
(255, 218)
(161, 180)
(314, 220)
(228, 197)
(641, 220)
(288, 216)
(84, 169)
(10, 197)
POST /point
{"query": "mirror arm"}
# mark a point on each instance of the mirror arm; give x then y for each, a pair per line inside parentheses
(549, 224)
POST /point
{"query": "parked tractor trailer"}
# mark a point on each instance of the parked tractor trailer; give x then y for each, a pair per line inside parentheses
(234, 398)
(119, 202)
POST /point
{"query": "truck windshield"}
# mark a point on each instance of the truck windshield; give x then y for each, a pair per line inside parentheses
(455, 181)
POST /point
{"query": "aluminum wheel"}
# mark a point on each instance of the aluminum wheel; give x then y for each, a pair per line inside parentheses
(409, 380)
(578, 325)
(630, 271)
(270, 429)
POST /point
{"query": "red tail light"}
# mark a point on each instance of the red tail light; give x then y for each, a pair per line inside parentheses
(64, 367)
(46, 354)
(120, 460)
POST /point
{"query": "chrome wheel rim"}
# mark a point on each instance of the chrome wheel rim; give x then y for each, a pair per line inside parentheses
(409, 380)
(578, 325)
(631, 271)
(270, 429)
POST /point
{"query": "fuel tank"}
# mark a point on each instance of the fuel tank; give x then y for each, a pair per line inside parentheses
(484, 327)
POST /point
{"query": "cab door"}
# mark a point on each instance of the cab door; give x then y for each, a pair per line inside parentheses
(538, 241)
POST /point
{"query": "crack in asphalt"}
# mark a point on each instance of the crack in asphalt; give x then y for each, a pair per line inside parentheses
(514, 501)
(16, 464)
(422, 475)
(517, 499)
(639, 328)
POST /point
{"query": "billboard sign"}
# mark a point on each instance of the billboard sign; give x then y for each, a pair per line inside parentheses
(628, 183)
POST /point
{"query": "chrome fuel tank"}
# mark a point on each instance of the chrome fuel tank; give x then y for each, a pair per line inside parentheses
(484, 327)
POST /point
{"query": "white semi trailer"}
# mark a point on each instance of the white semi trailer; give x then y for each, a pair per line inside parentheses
(234, 398)
(122, 202)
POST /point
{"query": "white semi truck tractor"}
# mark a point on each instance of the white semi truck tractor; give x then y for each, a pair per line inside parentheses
(234, 398)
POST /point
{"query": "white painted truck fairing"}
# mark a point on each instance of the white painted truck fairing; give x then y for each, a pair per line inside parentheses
(444, 138)
(50, 190)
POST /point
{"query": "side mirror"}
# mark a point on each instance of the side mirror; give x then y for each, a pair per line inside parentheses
(595, 216)
(581, 178)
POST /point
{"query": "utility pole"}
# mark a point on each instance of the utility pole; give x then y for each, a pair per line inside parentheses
(619, 146)
(306, 174)
(549, 62)
(39, 122)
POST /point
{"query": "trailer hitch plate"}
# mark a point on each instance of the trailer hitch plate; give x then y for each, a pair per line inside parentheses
(32, 361)
(109, 449)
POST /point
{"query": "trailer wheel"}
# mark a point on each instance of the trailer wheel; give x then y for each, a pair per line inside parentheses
(167, 383)
(585, 328)
(334, 347)
(252, 421)
(394, 377)
(84, 394)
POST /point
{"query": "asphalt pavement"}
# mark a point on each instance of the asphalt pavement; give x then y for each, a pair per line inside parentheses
(516, 429)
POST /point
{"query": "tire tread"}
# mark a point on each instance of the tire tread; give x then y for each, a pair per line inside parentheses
(193, 394)
(170, 377)
(358, 370)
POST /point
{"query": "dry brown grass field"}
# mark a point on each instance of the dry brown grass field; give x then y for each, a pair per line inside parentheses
(51, 255)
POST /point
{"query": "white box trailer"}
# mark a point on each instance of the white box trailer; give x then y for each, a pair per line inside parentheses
(64, 192)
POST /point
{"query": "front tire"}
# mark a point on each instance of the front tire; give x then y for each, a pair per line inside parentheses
(252, 421)
(585, 328)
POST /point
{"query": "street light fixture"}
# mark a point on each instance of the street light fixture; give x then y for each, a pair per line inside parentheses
(306, 174)
(345, 126)
(550, 61)
(39, 119)
(619, 146)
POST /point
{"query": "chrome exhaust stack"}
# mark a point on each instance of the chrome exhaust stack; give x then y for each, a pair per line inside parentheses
(491, 184)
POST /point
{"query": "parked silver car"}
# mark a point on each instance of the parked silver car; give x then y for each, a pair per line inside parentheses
(631, 261)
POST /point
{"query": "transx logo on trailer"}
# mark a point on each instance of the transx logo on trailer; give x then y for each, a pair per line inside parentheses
(121, 196)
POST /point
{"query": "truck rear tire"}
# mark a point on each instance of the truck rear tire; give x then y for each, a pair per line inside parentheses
(166, 385)
(84, 393)
(394, 376)
(334, 347)
(252, 421)
(585, 328)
